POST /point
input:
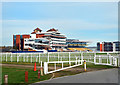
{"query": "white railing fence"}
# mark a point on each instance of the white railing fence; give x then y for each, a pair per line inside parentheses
(62, 58)
(52, 56)
(77, 63)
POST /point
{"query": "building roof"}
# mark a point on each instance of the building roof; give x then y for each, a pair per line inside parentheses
(52, 30)
(38, 29)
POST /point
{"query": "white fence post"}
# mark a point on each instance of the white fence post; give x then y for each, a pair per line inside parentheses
(61, 58)
(115, 60)
(107, 59)
(1, 56)
(55, 66)
(24, 57)
(118, 60)
(31, 57)
(76, 60)
(48, 57)
(41, 64)
(110, 58)
(39, 57)
(95, 58)
(69, 59)
(90, 57)
(42, 69)
(27, 58)
(45, 67)
(58, 56)
(17, 58)
(36, 58)
(62, 64)
(6, 57)
(11, 57)
(81, 57)
(99, 59)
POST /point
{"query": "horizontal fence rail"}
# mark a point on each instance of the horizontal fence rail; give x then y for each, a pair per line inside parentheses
(51, 56)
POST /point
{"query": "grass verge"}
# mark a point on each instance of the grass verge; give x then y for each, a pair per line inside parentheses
(16, 75)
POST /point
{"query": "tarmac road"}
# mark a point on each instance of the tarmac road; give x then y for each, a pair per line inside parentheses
(102, 76)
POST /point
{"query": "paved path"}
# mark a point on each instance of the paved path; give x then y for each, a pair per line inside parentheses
(102, 76)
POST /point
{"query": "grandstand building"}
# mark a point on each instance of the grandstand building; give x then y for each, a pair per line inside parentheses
(52, 39)
(38, 40)
(108, 46)
(77, 45)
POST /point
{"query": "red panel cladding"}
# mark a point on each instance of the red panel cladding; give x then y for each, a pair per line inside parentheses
(39, 35)
(100, 47)
(25, 36)
(18, 41)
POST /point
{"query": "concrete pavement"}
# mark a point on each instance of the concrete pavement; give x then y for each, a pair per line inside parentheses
(102, 76)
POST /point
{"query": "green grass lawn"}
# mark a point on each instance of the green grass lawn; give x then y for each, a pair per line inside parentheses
(17, 75)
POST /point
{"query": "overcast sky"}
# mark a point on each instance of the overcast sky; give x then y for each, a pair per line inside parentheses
(91, 21)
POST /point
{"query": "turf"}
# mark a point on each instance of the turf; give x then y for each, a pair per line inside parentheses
(17, 75)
